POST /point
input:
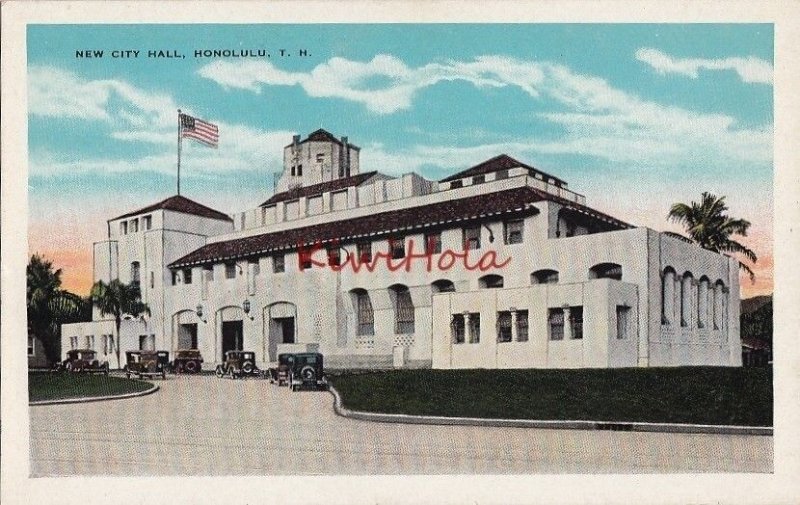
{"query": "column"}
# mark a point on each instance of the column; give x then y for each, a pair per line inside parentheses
(567, 325)
(514, 336)
(467, 332)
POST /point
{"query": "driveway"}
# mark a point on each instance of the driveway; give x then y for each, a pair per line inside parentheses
(209, 426)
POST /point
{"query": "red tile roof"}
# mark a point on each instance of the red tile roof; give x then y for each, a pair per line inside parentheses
(318, 189)
(402, 221)
(182, 204)
(500, 162)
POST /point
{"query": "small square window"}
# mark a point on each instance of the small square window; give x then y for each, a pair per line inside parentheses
(278, 264)
(472, 238)
(187, 275)
(478, 179)
(458, 329)
(134, 225)
(300, 169)
(397, 247)
(230, 270)
(501, 174)
(555, 321)
(123, 228)
(513, 231)
(209, 271)
(457, 184)
(364, 251)
(147, 222)
(334, 256)
(433, 243)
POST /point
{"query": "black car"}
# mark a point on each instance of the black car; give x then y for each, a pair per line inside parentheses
(307, 371)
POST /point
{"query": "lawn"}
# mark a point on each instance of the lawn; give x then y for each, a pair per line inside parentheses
(57, 386)
(701, 395)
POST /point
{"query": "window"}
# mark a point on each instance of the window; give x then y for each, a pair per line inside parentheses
(474, 328)
(187, 275)
(501, 174)
(110, 344)
(544, 277)
(123, 228)
(209, 271)
(174, 278)
(555, 321)
(142, 342)
(443, 286)
(512, 231)
(364, 251)
(152, 280)
(478, 179)
(230, 270)
(686, 285)
(334, 256)
(134, 225)
(320, 157)
(397, 247)
(147, 222)
(89, 341)
(522, 326)
(491, 281)
(576, 322)
(623, 313)
(73, 342)
(300, 169)
(135, 273)
(403, 310)
(256, 268)
(278, 264)
(31, 345)
(433, 243)
(365, 321)
(457, 184)
(457, 328)
(305, 260)
(294, 170)
(606, 271)
(504, 326)
(104, 339)
(472, 238)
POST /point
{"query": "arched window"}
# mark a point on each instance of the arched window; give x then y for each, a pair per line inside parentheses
(135, 275)
(544, 277)
(686, 297)
(702, 301)
(606, 271)
(491, 281)
(403, 309)
(365, 319)
(443, 286)
(668, 295)
(716, 306)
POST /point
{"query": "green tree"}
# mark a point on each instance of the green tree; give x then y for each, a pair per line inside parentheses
(708, 225)
(118, 299)
(49, 306)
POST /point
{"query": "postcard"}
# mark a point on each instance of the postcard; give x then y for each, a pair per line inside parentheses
(314, 253)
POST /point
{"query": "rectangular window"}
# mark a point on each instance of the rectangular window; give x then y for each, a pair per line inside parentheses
(135, 275)
(366, 321)
(397, 247)
(474, 328)
(230, 270)
(110, 344)
(134, 225)
(278, 264)
(104, 339)
(512, 231)
(504, 326)
(305, 261)
(187, 275)
(147, 222)
(73, 342)
(334, 256)
(458, 329)
(472, 238)
(152, 280)
(90, 342)
(522, 326)
(623, 314)
(457, 184)
(294, 170)
(31, 345)
(404, 319)
(576, 322)
(320, 157)
(478, 179)
(300, 169)
(555, 321)
(174, 278)
(364, 251)
(143, 342)
(501, 174)
(123, 228)
(433, 243)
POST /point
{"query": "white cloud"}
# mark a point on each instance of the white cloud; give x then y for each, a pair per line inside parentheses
(749, 69)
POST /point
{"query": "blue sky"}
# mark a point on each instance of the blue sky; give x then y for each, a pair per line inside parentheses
(634, 116)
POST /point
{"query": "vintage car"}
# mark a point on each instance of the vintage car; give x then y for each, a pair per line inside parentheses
(82, 360)
(307, 372)
(187, 361)
(146, 364)
(280, 373)
(238, 364)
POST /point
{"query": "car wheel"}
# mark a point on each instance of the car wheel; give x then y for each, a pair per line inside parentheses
(248, 367)
(191, 366)
(219, 372)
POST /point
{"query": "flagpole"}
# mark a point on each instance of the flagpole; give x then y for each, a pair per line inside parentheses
(179, 152)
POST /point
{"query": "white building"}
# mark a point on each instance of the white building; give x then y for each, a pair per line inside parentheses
(544, 281)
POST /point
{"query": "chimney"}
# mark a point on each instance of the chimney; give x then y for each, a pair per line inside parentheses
(295, 141)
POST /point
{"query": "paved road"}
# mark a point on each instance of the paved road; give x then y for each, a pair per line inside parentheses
(210, 426)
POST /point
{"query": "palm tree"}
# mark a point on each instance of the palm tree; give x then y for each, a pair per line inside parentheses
(49, 306)
(708, 225)
(118, 299)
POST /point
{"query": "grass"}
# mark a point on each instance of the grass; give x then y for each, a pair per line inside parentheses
(700, 395)
(58, 386)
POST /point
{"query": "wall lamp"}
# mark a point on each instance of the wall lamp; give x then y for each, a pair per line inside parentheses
(199, 312)
(246, 309)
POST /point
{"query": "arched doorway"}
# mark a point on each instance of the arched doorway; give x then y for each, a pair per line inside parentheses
(230, 330)
(280, 321)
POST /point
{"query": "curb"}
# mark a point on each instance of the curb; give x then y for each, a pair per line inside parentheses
(540, 424)
(95, 398)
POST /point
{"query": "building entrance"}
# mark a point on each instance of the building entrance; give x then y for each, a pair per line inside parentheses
(187, 336)
(232, 336)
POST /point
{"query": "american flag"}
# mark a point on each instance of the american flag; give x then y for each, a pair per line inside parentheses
(199, 130)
